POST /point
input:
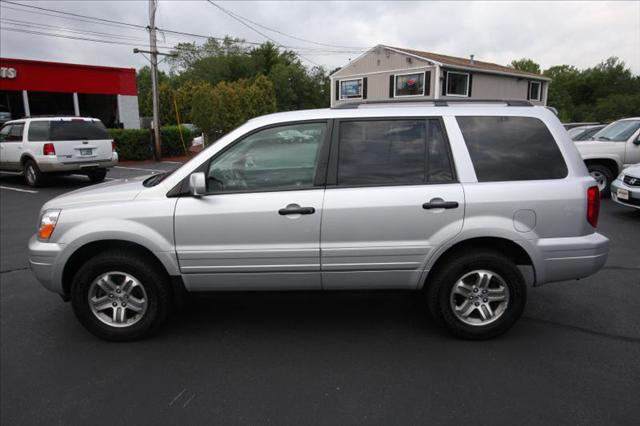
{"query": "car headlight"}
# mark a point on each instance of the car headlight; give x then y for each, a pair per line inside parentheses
(621, 176)
(48, 222)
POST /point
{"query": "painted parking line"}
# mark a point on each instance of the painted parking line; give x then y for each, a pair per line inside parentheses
(138, 168)
(29, 191)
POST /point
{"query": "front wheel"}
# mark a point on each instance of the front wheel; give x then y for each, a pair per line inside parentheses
(477, 295)
(119, 296)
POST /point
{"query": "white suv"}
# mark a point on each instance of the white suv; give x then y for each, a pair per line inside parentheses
(64, 145)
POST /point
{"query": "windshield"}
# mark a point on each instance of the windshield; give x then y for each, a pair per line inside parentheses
(618, 131)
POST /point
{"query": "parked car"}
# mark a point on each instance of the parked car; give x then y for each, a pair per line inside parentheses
(610, 150)
(584, 133)
(38, 147)
(198, 136)
(439, 199)
(570, 126)
(625, 189)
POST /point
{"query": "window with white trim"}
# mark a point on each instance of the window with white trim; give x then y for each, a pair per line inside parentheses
(457, 83)
(409, 85)
(535, 90)
(351, 89)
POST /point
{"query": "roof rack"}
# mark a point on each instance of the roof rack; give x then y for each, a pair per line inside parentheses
(436, 102)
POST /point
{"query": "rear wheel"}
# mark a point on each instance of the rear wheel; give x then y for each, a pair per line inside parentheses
(119, 296)
(477, 295)
(603, 177)
(97, 176)
(32, 174)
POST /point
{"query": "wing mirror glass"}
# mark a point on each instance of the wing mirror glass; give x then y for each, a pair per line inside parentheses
(197, 184)
(637, 141)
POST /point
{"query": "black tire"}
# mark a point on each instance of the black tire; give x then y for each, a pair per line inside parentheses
(32, 174)
(440, 286)
(97, 176)
(606, 174)
(154, 281)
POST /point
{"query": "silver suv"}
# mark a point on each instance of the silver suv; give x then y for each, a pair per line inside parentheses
(39, 147)
(468, 203)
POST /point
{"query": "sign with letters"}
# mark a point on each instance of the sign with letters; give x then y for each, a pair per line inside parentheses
(6, 72)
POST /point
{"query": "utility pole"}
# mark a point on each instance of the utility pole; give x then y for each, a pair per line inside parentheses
(153, 54)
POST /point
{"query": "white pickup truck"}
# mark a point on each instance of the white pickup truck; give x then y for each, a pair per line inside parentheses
(612, 149)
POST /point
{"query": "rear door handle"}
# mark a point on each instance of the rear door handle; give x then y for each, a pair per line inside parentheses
(296, 210)
(440, 205)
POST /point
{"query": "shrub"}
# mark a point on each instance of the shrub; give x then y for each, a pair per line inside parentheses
(136, 144)
(132, 144)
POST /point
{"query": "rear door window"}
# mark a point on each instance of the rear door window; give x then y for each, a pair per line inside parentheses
(38, 131)
(382, 152)
(76, 130)
(393, 152)
(15, 134)
(511, 148)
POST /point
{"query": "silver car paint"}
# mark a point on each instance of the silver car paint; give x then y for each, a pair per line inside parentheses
(225, 252)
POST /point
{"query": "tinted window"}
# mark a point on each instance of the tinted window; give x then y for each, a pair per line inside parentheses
(4, 132)
(457, 83)
(511, 148)
(39, 131)
(15, 134)
(76, 130)
(439, 164)
(382, 152)
(277, 158)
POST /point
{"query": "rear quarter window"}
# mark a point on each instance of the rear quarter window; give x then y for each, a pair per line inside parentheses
(511, 148)
(38, 131)
(76, 130)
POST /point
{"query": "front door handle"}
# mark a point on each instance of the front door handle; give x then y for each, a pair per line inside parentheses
(296, 210)
(440, 205)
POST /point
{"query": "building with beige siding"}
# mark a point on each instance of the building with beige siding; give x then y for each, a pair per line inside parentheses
(386, 73)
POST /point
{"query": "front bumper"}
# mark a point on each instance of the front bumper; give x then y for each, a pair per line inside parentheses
(43, 260)
(571, 258)
(634, 194)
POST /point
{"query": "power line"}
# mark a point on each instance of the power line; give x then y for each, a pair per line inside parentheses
(110, 21)
(258, 31)
(285, 34)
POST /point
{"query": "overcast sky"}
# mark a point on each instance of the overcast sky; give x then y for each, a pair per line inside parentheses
(551, 33)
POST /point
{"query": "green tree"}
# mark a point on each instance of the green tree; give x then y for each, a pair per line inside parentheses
(526, 64)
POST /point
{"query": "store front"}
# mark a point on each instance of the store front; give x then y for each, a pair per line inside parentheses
(31, 88)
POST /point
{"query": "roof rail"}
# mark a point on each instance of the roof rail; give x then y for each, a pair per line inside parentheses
(436, 102)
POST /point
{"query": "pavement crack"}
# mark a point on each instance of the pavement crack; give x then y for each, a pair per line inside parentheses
(6, 271)
(586, 330)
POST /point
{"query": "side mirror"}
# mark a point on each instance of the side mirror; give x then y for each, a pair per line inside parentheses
(637, 141)
(197, 184)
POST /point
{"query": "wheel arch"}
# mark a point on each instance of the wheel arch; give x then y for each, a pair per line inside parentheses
(26, 157)
(514, 251)
(610, 163)
(90, 249)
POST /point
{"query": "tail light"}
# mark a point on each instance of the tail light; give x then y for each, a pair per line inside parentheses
(48, 149)
(114, 146)
(593, 205)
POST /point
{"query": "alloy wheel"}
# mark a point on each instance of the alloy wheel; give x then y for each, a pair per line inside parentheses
(479, 297)
(118, 299)
(600, 179)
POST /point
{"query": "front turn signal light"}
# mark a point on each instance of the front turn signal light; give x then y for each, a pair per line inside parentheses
(48, 222)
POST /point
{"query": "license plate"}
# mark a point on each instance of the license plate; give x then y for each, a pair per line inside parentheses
(623, 194)
(86, 151)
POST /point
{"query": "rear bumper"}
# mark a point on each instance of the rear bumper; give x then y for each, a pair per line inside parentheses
(571, 258)
(43, 259)
(51, 164)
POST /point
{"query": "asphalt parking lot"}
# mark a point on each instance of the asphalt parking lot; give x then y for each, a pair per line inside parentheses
(320, 358)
